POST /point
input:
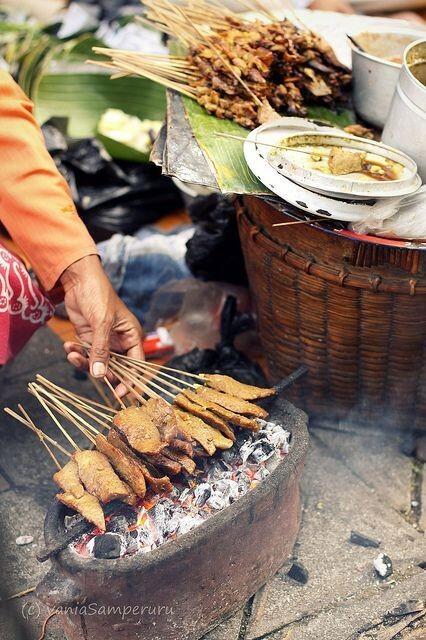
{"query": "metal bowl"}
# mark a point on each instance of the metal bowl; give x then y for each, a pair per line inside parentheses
(186, 586)
(406, 125)
(375, 78)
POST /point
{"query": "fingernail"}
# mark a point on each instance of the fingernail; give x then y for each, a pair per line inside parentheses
(98, 369)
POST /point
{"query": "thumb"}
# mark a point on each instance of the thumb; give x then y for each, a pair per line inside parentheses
(99, 352)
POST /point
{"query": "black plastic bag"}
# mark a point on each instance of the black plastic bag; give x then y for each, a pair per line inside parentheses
(111, 196)
(214, 252)
(225, 358)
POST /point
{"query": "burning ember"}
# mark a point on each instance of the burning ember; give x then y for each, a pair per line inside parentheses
(221, 481)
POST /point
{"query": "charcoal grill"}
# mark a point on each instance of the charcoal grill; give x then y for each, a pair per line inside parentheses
(185, 587)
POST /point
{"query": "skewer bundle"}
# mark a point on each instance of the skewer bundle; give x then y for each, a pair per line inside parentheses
(168, 421)
(236, 69)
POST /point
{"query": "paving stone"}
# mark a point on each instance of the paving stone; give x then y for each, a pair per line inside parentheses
(337, 500)
(4, 485)
(422, 522)
(375, 456)
(42, 350)
(228, 630)
(353, 619)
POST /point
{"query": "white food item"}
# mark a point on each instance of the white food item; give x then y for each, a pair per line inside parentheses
(129, 130)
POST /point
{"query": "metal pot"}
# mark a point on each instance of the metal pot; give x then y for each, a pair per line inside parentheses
(182, 589)
(406, 125)
(375, 78)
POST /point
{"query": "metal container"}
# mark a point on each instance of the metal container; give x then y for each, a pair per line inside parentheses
(182, 589)
(406, 125)
(374, 77)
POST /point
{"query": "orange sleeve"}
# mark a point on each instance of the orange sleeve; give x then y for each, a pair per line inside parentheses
(35, 203)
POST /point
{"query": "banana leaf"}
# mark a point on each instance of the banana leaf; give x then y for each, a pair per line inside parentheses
(83, 97)
(121, 151)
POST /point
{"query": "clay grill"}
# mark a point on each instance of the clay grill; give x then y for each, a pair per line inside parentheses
(181, 586)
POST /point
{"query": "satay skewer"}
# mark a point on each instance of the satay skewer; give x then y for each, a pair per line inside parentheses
(47, 382)
(25, 422)
(40, 436)
(34, 391)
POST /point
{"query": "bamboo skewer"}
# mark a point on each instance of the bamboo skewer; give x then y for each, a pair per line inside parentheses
(73, 395)
(144, 367)
(130, 386)
(40, 436)
(147, 381)
(90, 411)
(45, 436)
(95, 382)
(114, 393)
(70, 414)
(287, 224)
(35, 392)
(86, 411)
(117, 368)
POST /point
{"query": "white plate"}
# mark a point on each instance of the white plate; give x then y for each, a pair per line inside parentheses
(299, 168)
(302, 198)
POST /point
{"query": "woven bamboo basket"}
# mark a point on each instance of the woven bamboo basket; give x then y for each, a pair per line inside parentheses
(352, 311)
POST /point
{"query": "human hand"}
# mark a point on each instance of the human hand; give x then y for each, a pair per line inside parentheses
(340, 6)
(99, 318)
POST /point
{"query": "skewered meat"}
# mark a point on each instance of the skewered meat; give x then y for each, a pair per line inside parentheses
(87, 505)
(98, 476)
(208, 437)
(156, 483)
(139, 430)
(235, 388)
(182, 446)
(161, 414)
(237, 405)
(208, 416)
(170, 466)
(185, 461)
(125, 466)
(131, 499)
(68, 479)
(235, 418)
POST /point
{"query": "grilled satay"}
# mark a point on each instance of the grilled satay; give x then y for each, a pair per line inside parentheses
(184, 446)
(235, 388)
(139, 430)
(235, 418)
(232, 403)
(185, 461)
(208, 437)
(87, 505)
(208, 416)
(98, 476)
(68, 479)
(156, 483)
(160, 460)
(126, 467)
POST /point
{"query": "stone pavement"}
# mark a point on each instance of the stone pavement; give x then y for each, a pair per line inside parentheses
(355, 480)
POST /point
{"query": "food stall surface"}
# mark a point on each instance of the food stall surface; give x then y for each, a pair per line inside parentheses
(362, 497)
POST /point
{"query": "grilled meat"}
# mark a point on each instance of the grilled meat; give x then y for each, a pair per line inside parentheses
(156, 483)
(139, 430)
(185, 461)
(68, 479)
(87, 505)
(163, 462)
(98, 476)
(237, 405)
(182, 446)
(208, 437)
(161, 414)
(208, 416)
(127, 468)
(235, 418)
(235, 388)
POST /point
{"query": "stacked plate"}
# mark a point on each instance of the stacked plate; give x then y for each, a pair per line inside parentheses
(290, 157)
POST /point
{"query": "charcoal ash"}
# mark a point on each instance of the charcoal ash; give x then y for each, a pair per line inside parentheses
(109, 546)
(363, 541)
(298, 572)
(221, 480)
(383, 566)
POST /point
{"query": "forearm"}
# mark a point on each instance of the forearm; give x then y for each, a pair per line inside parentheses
(35, 203)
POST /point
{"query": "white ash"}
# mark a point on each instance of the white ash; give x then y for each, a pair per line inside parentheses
(24, 540)
(383, 565)
(222, 479)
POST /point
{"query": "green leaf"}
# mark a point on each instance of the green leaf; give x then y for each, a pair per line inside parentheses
(338, 118)
(227, 156)
(83, 97)
(121, 151)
